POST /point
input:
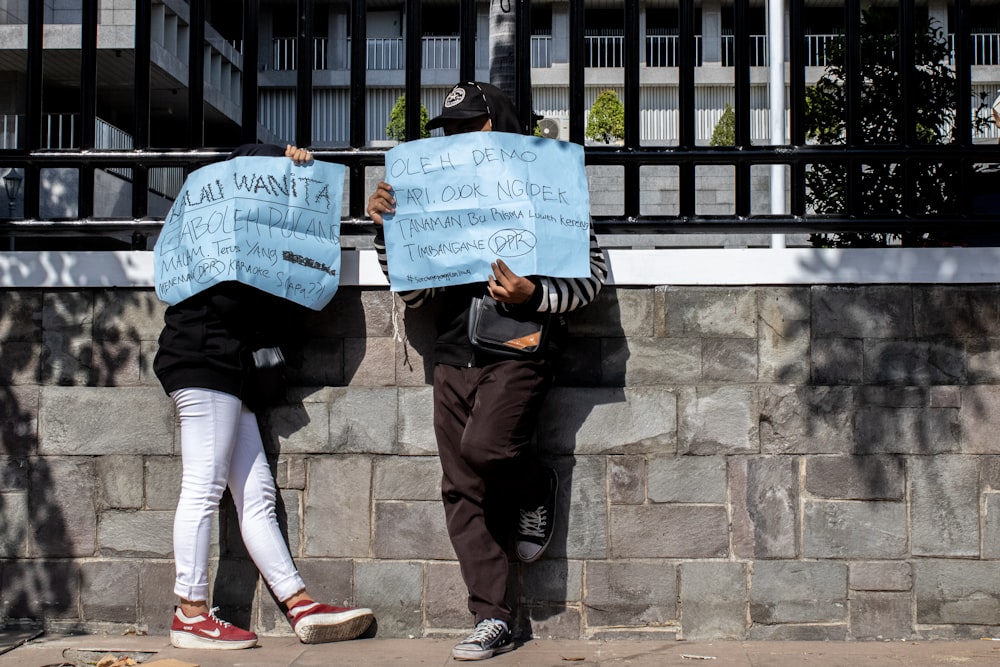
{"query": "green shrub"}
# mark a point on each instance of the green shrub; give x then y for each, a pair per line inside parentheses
(606, 121)
(396, 129)
(724, 133)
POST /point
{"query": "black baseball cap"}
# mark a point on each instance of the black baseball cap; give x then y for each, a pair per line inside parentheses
(465, 100)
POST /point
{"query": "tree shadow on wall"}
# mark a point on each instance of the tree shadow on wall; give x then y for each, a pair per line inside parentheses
(894, 376)
(49, 497)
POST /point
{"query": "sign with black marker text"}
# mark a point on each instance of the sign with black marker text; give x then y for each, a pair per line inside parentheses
(262, 221)
(465, 201)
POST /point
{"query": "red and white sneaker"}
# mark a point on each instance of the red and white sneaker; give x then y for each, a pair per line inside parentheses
(316, 623)
(206, 631)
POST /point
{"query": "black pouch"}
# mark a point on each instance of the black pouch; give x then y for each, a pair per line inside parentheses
(498, 330)
(268, 376)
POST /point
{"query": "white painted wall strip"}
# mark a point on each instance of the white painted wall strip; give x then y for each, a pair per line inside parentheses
(716, 266)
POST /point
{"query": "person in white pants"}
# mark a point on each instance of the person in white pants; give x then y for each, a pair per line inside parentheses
(205, 363)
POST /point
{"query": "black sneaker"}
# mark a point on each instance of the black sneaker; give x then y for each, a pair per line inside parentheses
(535, 524)
(491, 637)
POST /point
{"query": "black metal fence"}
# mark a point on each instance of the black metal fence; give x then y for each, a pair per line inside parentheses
(852, 155)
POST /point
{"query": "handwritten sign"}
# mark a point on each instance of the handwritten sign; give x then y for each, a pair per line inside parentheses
(465, 201)
(262, 221)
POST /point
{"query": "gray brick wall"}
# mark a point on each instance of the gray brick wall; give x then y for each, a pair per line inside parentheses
(737, 463)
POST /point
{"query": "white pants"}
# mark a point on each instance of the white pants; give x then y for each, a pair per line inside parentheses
(221, 446)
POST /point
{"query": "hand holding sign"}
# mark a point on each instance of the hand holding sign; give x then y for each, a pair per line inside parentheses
(261, 221)
(464, 201)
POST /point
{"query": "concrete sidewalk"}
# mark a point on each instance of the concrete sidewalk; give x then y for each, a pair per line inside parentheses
(77, 651)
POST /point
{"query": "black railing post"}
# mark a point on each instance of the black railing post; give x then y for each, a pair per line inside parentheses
(963, 91)
(251, 56)
(797, 103)
(633, 104)
(467, 43)
(741, 102)
(963, 73)
(304, 74)
(196, 75)
(522, 47)
(359, 70)
(907, 129)
(852, 101)
(359, 120)
(686, 106)
(88, 105)
(414, 62)
(141, 103)
(33, 108)
(577, 72)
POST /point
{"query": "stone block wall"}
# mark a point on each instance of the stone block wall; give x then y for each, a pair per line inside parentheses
(738, 462)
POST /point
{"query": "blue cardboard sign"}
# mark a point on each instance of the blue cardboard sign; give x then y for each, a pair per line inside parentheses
(464, 201)
(262, 221)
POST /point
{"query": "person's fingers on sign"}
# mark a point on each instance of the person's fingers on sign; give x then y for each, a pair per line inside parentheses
(298, 155)
(505, 286)
(381, 202)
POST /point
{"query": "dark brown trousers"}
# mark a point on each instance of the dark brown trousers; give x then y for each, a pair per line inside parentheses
(484, 419)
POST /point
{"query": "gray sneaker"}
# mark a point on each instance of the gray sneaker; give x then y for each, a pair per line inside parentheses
(536, 524)
(490, 638)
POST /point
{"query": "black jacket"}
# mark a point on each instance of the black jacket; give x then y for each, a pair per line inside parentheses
(208, 339)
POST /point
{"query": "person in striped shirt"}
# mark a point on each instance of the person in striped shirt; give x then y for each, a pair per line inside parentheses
(494, 489)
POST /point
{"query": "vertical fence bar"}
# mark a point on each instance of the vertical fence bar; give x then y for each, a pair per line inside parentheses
(741, 71)
(359, 85)
(251, 54)
(577, 52)
(963, 91)
(852, 100)
(304, 74)
(88, 74)
(88, 104)
(741, 102)
(522, 42)
(963, 73)
(467, 43)
(907, 71)
(633, 104)
(797, 102)
(33, 107)
(141, 104)
(414, 63)
(359, 115)
(630, 52)
(686, 108)
(196, 75)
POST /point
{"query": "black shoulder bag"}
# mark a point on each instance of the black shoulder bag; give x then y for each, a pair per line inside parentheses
(495, 328)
